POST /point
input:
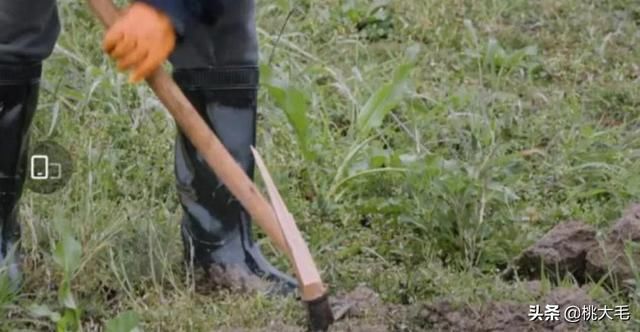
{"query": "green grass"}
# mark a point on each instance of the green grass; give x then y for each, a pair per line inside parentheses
(420, 144)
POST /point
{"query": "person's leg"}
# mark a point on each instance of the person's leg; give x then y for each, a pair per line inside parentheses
(216, 66)
(28, 31)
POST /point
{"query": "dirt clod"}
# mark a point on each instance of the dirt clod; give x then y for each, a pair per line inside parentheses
(572, 247)
(609, 259)
(562, 250)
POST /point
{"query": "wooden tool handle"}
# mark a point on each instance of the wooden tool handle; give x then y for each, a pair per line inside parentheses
(205, 141)
(311, 285)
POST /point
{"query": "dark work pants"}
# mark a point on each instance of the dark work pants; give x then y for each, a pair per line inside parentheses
(28, 30)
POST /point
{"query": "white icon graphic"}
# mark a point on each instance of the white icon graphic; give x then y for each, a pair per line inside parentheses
(58, 171)
(40, 167)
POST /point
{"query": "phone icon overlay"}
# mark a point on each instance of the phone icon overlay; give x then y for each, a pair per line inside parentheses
(50, 168)
(41, 168)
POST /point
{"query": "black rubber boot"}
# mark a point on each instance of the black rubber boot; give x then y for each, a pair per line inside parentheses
(18, 101)
(216, 230)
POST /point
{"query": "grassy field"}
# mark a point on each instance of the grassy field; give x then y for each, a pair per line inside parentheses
(421, 145)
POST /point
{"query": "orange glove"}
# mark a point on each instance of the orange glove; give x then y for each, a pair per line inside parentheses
(140, 40)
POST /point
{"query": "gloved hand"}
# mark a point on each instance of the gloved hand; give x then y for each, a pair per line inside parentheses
(140, 40)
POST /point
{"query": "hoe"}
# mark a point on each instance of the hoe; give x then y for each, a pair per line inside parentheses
(274, 219)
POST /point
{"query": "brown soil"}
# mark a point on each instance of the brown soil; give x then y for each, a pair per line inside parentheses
(365, 311)
(573, 248)
(362, 311)
(562, 250)
(610, 259)
(500, 316)
(569, 248)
